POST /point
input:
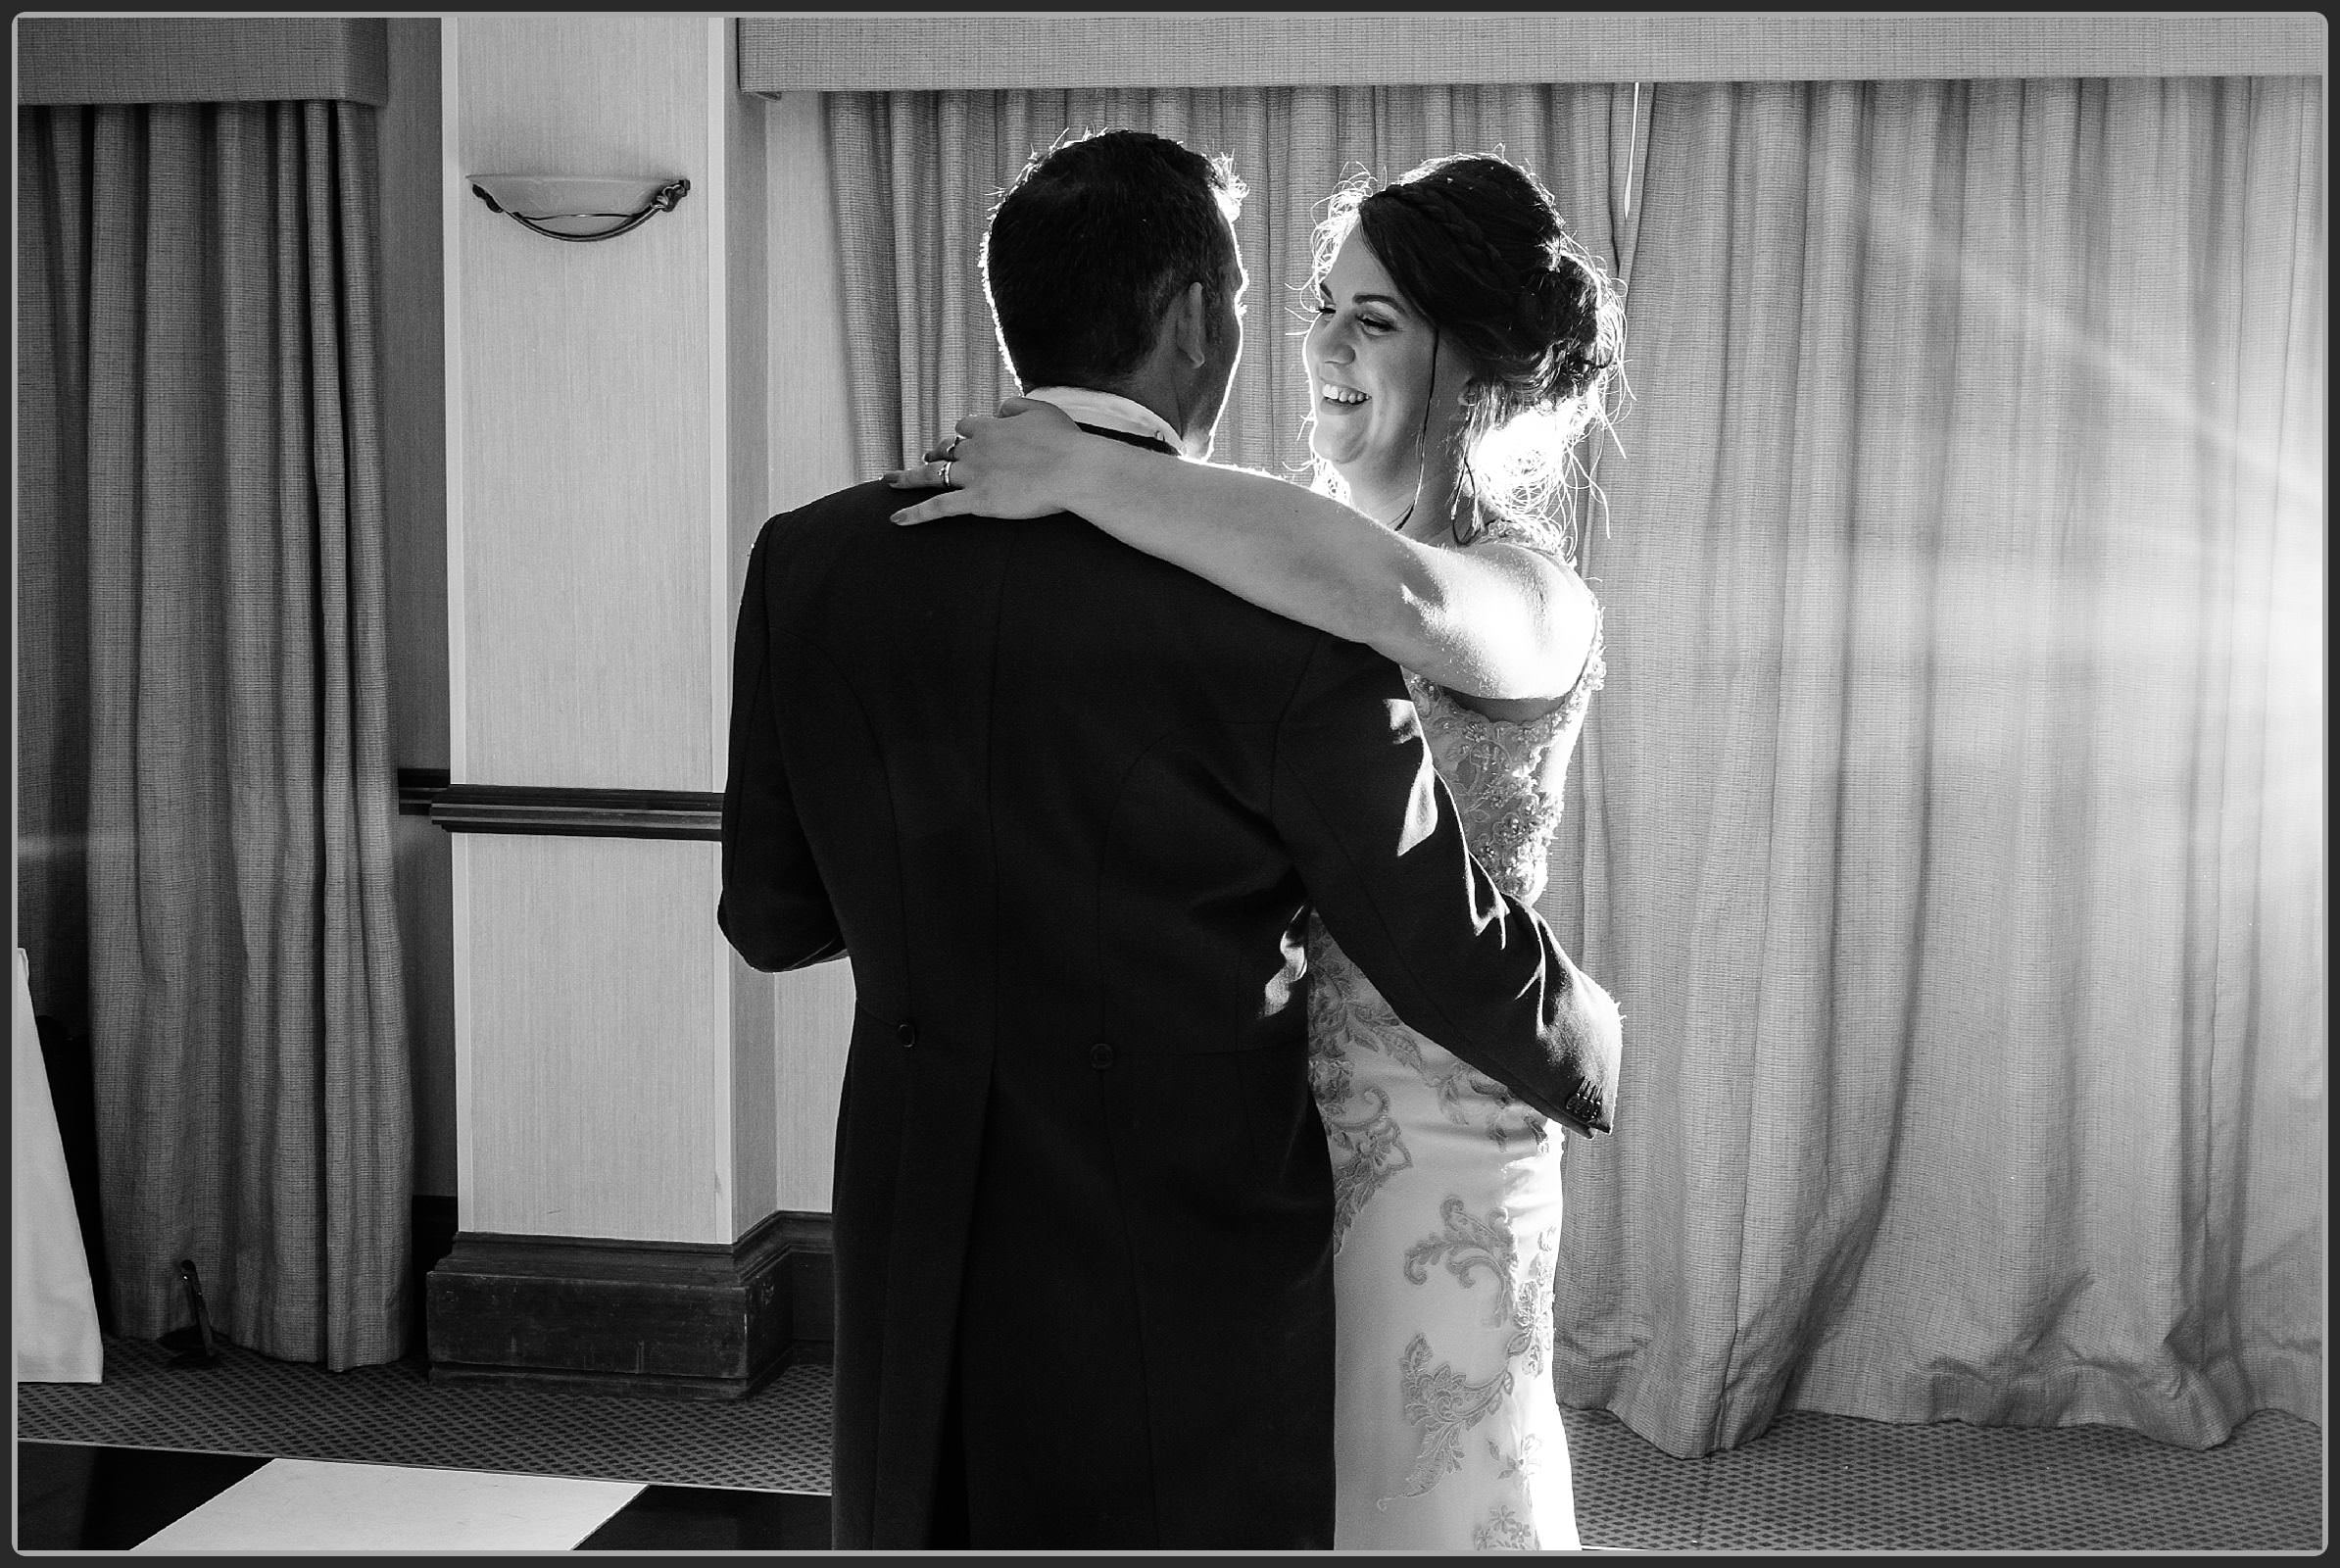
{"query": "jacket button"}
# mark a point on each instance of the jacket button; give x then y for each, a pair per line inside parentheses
(1101, 1056)
(907, 1033)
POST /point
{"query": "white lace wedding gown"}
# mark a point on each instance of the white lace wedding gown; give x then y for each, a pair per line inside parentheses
(1447, 1434)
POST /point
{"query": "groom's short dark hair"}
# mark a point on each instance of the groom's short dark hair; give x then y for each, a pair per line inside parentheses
(1090, 243)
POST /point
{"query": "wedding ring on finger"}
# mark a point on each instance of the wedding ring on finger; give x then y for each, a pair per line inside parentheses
(942, 474)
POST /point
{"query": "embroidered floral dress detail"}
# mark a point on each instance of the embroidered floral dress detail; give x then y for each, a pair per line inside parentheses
(1367, 1152)
(1504, 1530)
(1513, 1464)
(1522, 1303)
(1442, 1404)
(1447, 1202)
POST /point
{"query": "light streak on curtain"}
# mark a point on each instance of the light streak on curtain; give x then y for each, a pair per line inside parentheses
(1951, 822)
(203, 695)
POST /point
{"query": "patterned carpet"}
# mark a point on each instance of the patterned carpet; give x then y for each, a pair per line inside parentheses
(1812, 1483)
(1827, 1482)
(778, 1441)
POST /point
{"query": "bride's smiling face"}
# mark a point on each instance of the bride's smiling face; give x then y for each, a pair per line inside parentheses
(1369, 360)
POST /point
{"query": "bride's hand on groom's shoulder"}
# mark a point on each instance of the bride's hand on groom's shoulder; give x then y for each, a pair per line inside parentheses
(1015, 464)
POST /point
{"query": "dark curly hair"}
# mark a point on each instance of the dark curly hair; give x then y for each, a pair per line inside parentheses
(1092, 239)
(1475, 244)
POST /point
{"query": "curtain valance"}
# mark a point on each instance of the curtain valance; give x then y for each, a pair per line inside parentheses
(180, 60)
(908, 53)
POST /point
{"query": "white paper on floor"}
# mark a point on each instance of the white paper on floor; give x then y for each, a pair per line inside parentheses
(315, 1506)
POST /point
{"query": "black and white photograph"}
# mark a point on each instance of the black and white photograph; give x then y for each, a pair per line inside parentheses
(1169, 783)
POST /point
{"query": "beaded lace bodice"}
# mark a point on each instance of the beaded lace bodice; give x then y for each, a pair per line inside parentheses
(1506, 777)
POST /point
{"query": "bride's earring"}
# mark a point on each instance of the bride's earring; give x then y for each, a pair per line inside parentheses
(1465, 484)
(1430, 402)
(1466, 476)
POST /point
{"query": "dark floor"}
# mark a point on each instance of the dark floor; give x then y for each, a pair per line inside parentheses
(708, 1519)
(70, 1497)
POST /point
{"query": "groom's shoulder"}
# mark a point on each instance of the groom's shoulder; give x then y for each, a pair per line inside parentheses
(859, 504)
(865, 509)
(829, 530)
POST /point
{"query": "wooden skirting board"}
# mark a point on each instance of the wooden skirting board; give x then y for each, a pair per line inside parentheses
(666, 1319)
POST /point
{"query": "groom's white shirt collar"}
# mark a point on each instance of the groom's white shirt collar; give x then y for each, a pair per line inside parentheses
(1113, 410)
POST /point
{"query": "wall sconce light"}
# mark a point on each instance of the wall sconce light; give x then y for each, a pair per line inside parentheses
(578, 208)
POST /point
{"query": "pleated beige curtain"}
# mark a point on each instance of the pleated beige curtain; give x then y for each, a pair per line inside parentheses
(207, 781)
(1951, 823)
(916, 176)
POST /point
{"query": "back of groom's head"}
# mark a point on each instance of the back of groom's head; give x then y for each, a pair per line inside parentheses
(1090, 243)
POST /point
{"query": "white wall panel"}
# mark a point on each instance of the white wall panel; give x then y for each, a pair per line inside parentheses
(586, 412)
(596, 1084)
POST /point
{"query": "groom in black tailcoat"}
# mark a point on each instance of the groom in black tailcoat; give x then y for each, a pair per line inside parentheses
(1065, 807)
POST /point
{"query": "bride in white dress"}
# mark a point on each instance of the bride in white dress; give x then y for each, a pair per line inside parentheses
(1462, 345)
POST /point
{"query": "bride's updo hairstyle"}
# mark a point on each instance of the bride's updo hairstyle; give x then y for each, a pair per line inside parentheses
(1476, 245)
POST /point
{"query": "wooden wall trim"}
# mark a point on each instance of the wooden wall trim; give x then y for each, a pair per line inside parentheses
(417, 787)
(576, 814)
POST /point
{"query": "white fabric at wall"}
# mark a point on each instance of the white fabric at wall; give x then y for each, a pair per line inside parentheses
(56, 1315)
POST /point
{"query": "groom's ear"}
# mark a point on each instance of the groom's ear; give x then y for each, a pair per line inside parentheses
(1189, 324)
